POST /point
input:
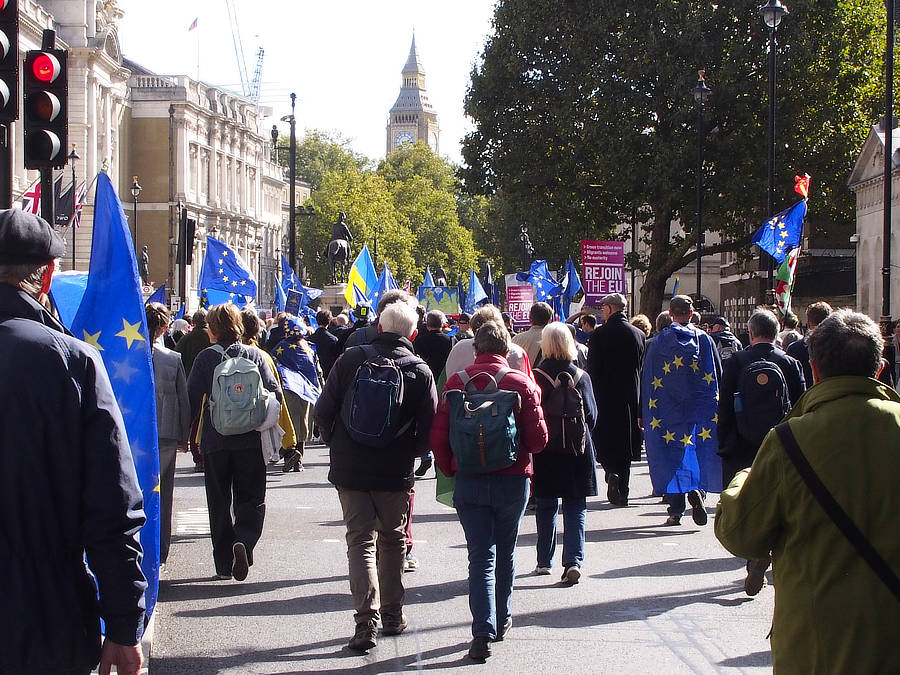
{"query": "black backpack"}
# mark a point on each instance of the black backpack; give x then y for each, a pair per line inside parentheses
(727, 348)
(564, 414)
(371, 407)
(761, 400)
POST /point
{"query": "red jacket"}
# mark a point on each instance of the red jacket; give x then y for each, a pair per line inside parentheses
(529, 419)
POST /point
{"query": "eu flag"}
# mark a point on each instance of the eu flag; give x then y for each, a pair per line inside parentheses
(225, 271)
(571, 286)
(545, 287)
(476, 294)
(289, 279)
(782, 232)
(111, 318)
(159, 295)
(385, 283)
(679, 401)
(280, 298)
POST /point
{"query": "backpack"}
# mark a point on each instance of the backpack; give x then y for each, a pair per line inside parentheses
(237, 399)
(371, 407)
(564, 413)
(483, 433)
(761, 400)
(727, 348)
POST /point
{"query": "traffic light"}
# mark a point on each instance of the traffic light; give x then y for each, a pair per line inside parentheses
(45, 114)
(9, 60)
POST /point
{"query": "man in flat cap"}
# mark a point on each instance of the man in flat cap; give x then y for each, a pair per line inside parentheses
(70, 490)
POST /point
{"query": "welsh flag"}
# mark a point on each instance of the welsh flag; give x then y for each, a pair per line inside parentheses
(784, 281)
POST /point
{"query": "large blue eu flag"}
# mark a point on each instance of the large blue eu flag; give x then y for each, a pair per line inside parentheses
(545, 286)
(224, 276)
(111, 318)
(782, 232)
(679, 400)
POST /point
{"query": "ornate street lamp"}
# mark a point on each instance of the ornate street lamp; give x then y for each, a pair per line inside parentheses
(73, 157)
(135, 193)
(701, 96)
(527, 247)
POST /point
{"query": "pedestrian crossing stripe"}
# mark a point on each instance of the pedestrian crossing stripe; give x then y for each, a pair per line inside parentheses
(193, 521)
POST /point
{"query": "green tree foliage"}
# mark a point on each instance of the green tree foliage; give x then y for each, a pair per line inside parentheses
(319, 152)
(585, 120)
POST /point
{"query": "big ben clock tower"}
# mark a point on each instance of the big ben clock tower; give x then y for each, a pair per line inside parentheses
(412, 118)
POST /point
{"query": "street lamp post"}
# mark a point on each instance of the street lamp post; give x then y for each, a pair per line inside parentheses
(701, 95)
(73, 157)
(292, 218)
(135, 193)
(888, 172)
(274, 134)
(772, 14)
(527, 248)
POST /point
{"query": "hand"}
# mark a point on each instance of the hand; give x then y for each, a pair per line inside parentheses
(127, 660)
(640, 423)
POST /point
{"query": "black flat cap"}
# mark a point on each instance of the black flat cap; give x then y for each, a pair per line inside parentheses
(26, 238)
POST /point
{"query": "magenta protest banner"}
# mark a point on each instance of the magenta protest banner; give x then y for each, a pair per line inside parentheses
(603, 269)
(519, 300)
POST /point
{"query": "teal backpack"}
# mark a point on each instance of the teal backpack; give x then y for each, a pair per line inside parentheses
(237, 400)
(483, 433)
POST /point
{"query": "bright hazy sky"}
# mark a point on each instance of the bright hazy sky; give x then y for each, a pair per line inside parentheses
(341, 57)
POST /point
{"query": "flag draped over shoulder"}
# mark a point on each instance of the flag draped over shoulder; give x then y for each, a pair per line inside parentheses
(545, 287)
(476, 294)
(784, 281)
(111, 318)
(362, 276)
(679, 400)
(295, 363)
(224, 276)
(782, 232)
(385, 283)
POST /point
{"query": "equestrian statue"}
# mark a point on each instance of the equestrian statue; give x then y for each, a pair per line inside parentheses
(338, 249)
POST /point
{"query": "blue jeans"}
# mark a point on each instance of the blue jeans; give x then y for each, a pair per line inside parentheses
(489, 509)
(574, 511)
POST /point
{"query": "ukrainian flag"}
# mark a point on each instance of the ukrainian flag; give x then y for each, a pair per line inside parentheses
(362, 276)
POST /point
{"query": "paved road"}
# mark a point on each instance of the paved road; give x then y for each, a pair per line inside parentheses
(653, 599)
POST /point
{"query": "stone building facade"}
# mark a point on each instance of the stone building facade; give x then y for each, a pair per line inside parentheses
(412, 118)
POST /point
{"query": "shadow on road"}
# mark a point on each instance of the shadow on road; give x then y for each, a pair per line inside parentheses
(755, 659)
(674, 568)
(205, 588)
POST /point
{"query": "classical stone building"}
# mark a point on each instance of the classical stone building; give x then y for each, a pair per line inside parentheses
(201, 145)
(412, 118)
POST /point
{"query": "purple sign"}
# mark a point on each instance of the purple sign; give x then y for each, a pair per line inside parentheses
(603, 270)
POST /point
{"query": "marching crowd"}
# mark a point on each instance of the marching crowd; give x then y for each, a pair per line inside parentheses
(807, 478)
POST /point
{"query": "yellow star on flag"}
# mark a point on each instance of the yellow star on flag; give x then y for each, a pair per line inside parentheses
(667, 368)
(668, 436)
(657, 383)
(221, 261)
(695, 366)
(130, 332)
(709, 378)
(715, 418)
(233, 284)
(706, 434)
(651, 403)
(678, 361)
(225, 278)
(654, 423)
(93, 339)
(783, 234)
(686, 439)
(279, 350)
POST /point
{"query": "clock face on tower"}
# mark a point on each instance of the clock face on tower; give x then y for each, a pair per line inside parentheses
(403, 137)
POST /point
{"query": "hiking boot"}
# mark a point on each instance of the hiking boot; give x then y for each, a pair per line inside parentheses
(698, 508)
(571, 575)
(364, 638)
(612, 489)
(424, 467)
(241, 564)
(480, 649)
(504, 629)
(673, 520)
(756, 575)
(393, 624)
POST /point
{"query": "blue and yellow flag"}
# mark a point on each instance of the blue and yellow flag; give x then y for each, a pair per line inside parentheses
(362, 276)
(782, 232)
(111, 318)
(224, 276)
(545, 287)
(679, 400)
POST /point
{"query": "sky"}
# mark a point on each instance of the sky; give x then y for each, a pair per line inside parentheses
(342, 58)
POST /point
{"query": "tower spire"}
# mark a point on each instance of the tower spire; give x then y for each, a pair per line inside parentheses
(413, 64)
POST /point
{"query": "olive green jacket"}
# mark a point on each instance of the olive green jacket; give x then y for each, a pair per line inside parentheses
(832, 613)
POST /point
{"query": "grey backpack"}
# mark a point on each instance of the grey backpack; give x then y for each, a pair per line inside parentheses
(237, 400)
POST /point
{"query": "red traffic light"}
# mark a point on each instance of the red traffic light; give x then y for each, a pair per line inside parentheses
(46, 68)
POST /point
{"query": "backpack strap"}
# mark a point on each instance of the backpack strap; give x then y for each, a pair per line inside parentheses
(834, 510)
(546, 376)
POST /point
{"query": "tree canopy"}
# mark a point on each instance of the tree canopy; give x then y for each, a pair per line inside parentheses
(585, 119)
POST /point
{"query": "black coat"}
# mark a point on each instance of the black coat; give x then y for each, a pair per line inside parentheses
(558, 475)
(326, 348)
(615, 355)
(358, 467)
(799, 349)
(434, 347)
(67, 488)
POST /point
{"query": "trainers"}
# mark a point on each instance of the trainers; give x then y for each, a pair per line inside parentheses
(612, 489)
(541, 571)
(364, 638)
(503, 630)
(241, 565)
(571, 575)
(698, 508)
(393, 624)
(411, 564)
(673, 520)
(424, 466)
(291, 461)
(480, 649)
(756, 576)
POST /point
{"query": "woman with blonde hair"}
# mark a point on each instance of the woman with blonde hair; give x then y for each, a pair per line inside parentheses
(566, 468)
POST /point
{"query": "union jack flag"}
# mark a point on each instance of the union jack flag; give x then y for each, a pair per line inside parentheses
(31, 200)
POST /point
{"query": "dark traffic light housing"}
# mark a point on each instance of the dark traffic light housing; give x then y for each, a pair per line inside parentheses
(9, 60)
(45, 111)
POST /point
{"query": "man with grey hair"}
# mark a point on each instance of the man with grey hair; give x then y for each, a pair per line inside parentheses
(434, 346)
(750, 378)
(374, 478)
(833, 611)
(615, 354)
(539, 315)
(70, 493)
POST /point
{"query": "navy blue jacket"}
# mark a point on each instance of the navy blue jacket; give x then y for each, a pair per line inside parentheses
(68, 489)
